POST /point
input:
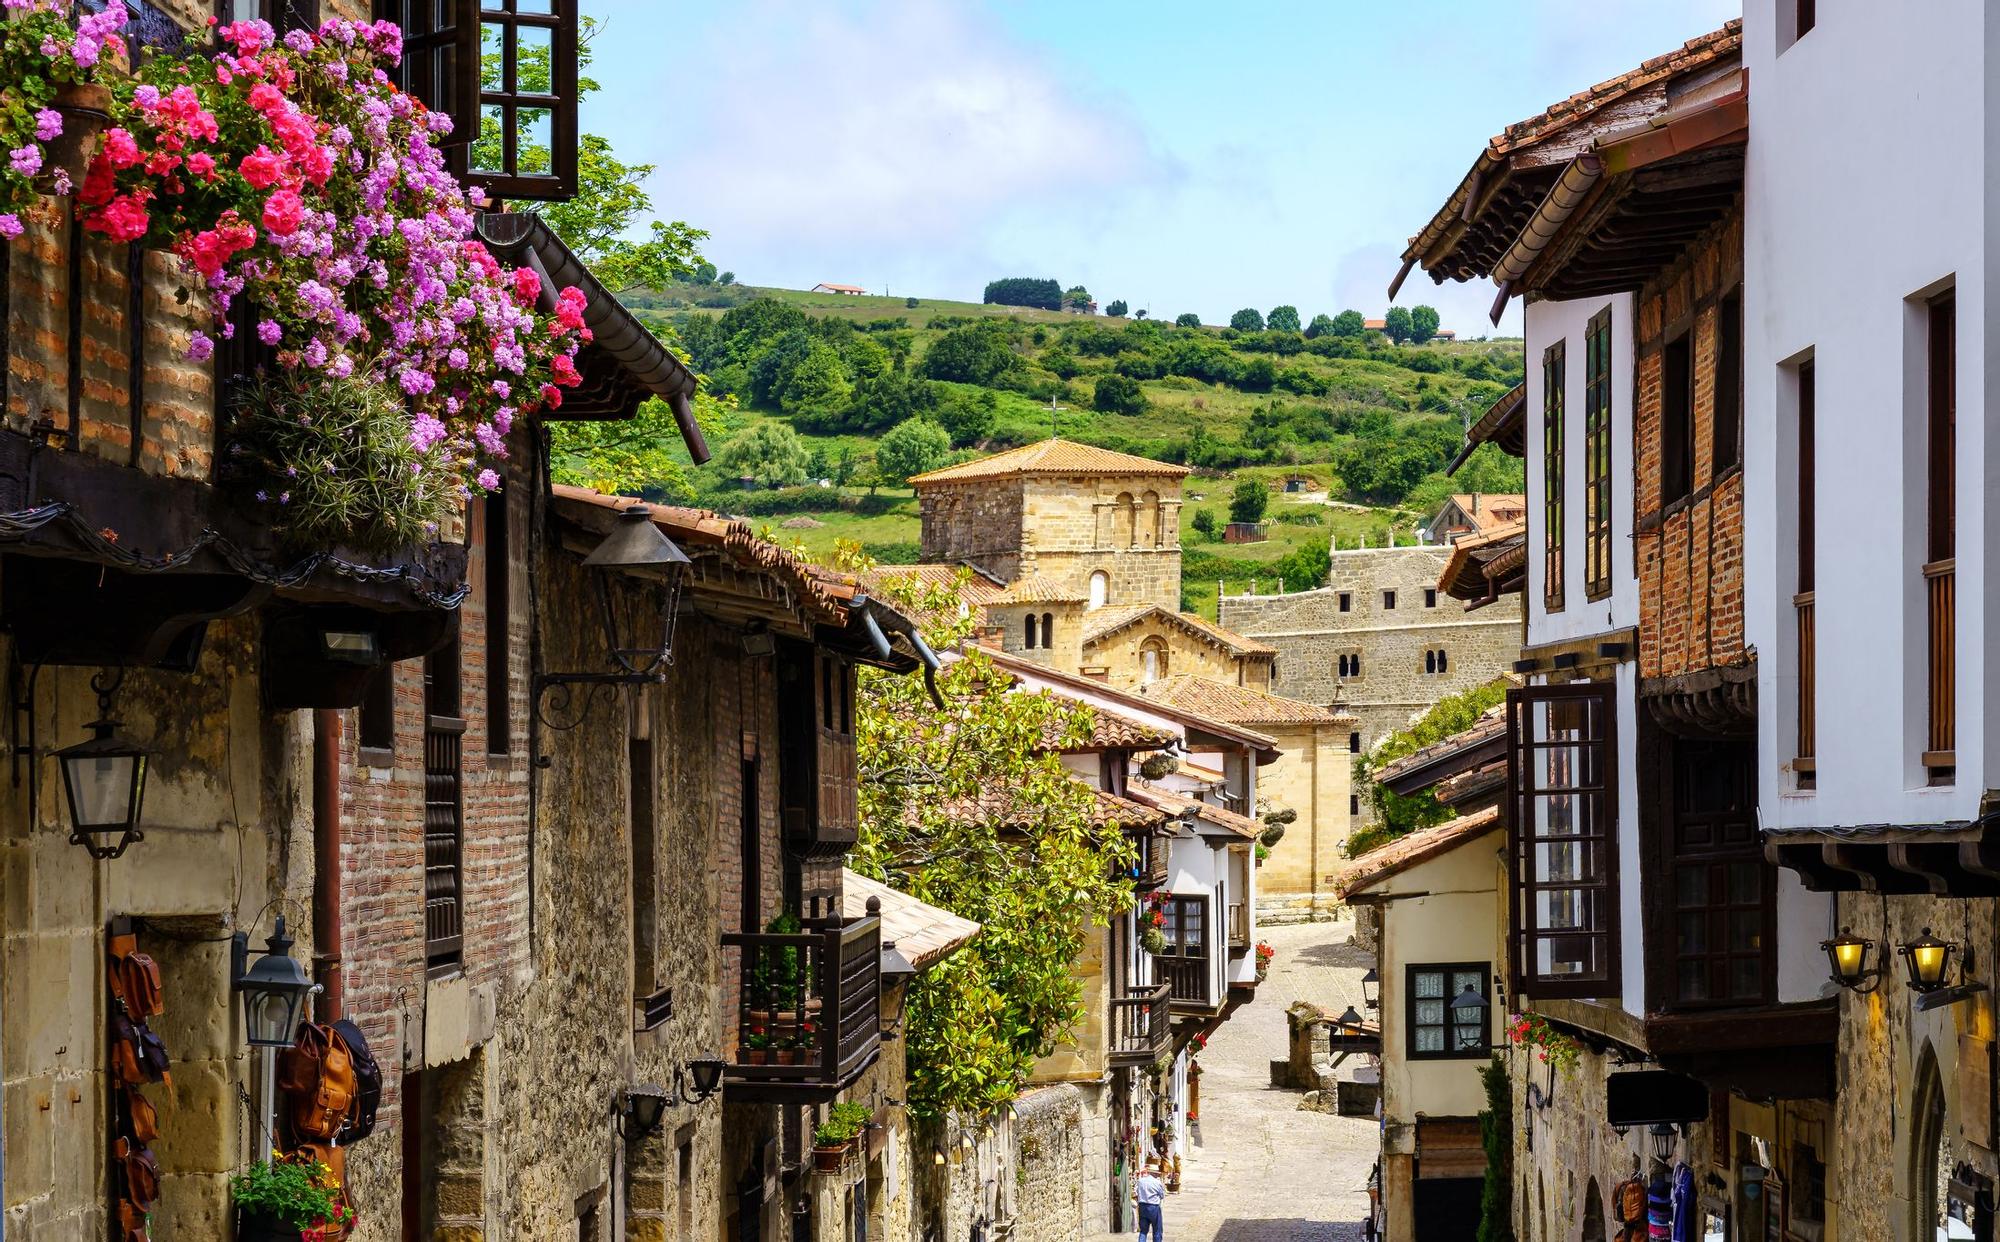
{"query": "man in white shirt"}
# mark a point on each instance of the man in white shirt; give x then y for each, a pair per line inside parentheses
(1151, 1195)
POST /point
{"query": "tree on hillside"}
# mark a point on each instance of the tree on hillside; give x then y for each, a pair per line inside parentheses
(1349, 323)
(1076, 298)
(1423, 323)
(1024, 291)
(1247, 320)
(818, 386)
(727, 278)
(1249, 501)
(770, 453)
(885, 401)
(1118, 394)
(977, 354)
(912, 448)
(1321, 325)
(968, 417)
(1396, 324)
(704, 274)
(1062, 362)
(1205, 525)
(1141, 313)
(1116, 308)
(1283, 319)
(1187, 320)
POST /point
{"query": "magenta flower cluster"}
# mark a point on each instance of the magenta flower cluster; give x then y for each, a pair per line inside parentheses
(45, 45)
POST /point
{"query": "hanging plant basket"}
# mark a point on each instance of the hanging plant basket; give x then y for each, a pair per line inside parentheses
(1153, 941)
(86, 112)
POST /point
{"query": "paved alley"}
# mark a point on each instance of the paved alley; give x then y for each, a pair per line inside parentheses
(1261, 1170)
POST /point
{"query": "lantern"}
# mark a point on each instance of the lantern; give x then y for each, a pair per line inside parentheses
(1847, 959)
(1371, 989)
(704, 1078)
(105, 778)
(635, 543)
(1470, 1006)
(1663, 1136)
(897, 975)
(1928, 960)
(274, 990)
(1349, 1018)
(645, 1108)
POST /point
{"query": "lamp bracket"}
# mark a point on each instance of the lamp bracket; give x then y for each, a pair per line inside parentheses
(566, 709)
(104, 853)
(1943, 997)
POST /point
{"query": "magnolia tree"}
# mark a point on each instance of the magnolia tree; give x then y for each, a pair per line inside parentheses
(967, 809)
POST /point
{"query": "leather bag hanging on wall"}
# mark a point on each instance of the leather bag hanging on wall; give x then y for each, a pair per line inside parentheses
(316, 1077)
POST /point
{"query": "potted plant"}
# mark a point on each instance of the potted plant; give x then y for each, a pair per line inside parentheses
(844, 1122)
(51, 55)
(784, 1050)
(1264, 955)
(1153, 925)
(757, 1049)
(289, 1200)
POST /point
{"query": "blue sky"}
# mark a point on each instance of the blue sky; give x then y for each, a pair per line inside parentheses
(1184, 157)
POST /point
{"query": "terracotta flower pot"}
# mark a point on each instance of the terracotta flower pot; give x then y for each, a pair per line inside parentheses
(787, 1056)
(829, 1159)
(86, 112)
(755, 1056)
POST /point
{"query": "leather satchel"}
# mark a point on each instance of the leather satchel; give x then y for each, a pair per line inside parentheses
(316, 1075)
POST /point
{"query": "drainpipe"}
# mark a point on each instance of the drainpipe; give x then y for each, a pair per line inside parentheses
(326, 862)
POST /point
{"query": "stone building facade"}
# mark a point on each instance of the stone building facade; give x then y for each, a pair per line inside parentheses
(1379, 639)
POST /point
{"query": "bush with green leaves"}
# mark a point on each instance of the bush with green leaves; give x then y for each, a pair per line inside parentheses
(1249, 501)
(912, 448)
(1187, 319)
(1249, 319)
(1118, 394)
(975, 354)
(770, 454)
(1396, 814)
(1205, 524)
(329, 463)
(844, 1123)
(1496, 1134)
(1116, 308)
(1024, 291)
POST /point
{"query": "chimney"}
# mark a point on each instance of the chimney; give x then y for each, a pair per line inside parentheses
(1475, 504)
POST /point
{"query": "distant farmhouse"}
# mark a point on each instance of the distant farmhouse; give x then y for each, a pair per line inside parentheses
(1474, 513)
(853, 291)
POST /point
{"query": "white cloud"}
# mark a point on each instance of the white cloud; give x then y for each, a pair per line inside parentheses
(897, 122)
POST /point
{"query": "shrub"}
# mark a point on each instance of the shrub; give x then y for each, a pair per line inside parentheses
(977, 354)
(1188, 320)
(1247, 320)
(770, 453)
(1205, 524)
(1118, 394)
(912, 303)
(912, 448)
(1249, 501)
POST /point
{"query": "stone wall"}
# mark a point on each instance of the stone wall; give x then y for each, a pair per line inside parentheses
(978, 523)
(1121, 655)
(1313, 775)
(1050, 1141)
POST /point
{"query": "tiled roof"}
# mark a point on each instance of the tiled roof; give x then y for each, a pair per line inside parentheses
(979, 588)
(1405, 852)
(1002, 808)
(1489, 511)
(1178, 805)
(1491, 724)
(921, 932)
(1481, 565)
(1111, 731)
(1085, 687)
(1237, 704)
(1104, 622)
(1503, 423)
(1051, 456)
(1036, 589)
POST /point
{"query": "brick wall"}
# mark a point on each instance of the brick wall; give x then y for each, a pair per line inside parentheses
(1690, 551)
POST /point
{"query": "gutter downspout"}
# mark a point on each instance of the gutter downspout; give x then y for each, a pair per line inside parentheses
(326, 929)
(1563, 199)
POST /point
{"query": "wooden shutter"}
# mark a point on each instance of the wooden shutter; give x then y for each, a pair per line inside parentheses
(526, 83)
(839, 773)
(444, 814)
(440, 59)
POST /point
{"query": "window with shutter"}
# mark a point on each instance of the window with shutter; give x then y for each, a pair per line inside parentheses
(283, 15)
(817, 770)
(444, 813)
(1564, 840)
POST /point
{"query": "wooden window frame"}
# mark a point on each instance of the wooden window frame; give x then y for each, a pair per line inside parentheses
(1806, 724)
(1602, 796)
(283, 15)
(1675, 847)
(1725, 430)
(642, 777)
(1449, 970)
(1554, 367)
(1597, 484)
(1677, 418)
(440, 64)
(375, 721)
(1941, 538)
(444, 813)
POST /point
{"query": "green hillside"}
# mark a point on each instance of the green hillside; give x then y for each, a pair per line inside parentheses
(863, 390)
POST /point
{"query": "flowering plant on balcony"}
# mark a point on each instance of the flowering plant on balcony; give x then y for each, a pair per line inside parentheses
(50, 56)
(292, 176)
(1531, 1030)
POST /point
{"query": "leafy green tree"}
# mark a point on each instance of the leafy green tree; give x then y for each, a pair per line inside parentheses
(1141, 313)
(1205, 524)
(1076, 298)
(1249, 501)
(968, 417)
(1118, 394)
(844, 466)
(1395, 814)
(704, 273)
(818, 385)
(1349, 323)
(727, 278)
(1257, 375)
(770, 453)
(760, 320)
(1024, 291)
(1282, 319)
(1396, 324)
(1321, 325)
(1116, 308)
(1030, 865)
(1423, 324)
(911, 448)
(1062, 362)
(1187, 320)
(975, 354)
(1496, 1134)
(1247, 320)
(912, 303)
(887, 400)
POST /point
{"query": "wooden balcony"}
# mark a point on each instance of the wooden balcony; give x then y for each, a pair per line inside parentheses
(1142, 1025)
(808, 1010)
(1188, 979)
(1803, 762)
(1941, 736)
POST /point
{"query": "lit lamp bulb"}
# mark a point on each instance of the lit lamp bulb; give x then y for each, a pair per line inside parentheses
(1928, 960)
(1847, 958)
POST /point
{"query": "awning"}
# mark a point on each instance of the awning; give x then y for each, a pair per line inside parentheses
(624, 363)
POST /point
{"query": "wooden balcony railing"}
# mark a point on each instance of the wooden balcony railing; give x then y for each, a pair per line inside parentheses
(1941, 593)
(808, 1009)
(1239, 925)
(1187, 977)
(1142, 1025)
(1803, 764)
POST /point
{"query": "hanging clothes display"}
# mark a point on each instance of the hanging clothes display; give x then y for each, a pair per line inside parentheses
(1685, 1207)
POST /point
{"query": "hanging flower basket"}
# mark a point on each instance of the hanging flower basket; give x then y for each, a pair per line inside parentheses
(85, 109)
(1153, 941)
(829, 1159)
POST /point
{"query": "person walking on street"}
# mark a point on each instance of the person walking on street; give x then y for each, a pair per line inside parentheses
(1151, 1194)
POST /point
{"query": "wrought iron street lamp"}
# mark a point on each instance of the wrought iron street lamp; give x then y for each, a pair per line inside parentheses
(1664, 1137)
(1371, 989)
(897, 975)
(1470, 1006)
(1348, 1018)
(105, 780)
(274, 989)
(1928, 961)
(643, 1111)
(1847, 959)
(638, 646)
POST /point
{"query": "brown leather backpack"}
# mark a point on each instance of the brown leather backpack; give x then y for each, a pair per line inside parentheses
(135, 981)
(316, 1075)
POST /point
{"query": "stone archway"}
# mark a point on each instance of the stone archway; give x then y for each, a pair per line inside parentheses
(1593, 1214)
(1930, 1155)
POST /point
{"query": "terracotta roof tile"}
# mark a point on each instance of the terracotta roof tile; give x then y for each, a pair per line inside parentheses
(1036, 589)
(921, 932)
(1084, 687)
(1237, 704)
(1491, 723)
(1104, 622)
(1480, 564)
(1112, 731)
(1178, 805)
(1405, 852)
(1051, 456)
(1002, 808)
(979, 588)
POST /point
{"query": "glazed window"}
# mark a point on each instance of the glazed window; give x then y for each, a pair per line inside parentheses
(1597, 457)
(1564, 841)
(1724, 893)
(1552, 477)
(1726, 430)
(1677, 419)
(1435, 1029)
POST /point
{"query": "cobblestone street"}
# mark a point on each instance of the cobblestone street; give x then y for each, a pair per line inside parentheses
(1261, 1170)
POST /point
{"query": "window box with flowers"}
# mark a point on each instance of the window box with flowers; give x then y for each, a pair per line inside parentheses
(1554, 1048)
(307, 197)
(833, 1137)
(1264, 955)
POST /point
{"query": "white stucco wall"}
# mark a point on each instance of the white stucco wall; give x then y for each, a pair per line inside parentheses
(1197, 866)
(1866, 191)
(1546, 323)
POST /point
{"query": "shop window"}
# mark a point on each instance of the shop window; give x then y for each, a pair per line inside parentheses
(1435, 1029)
(1562, 852)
